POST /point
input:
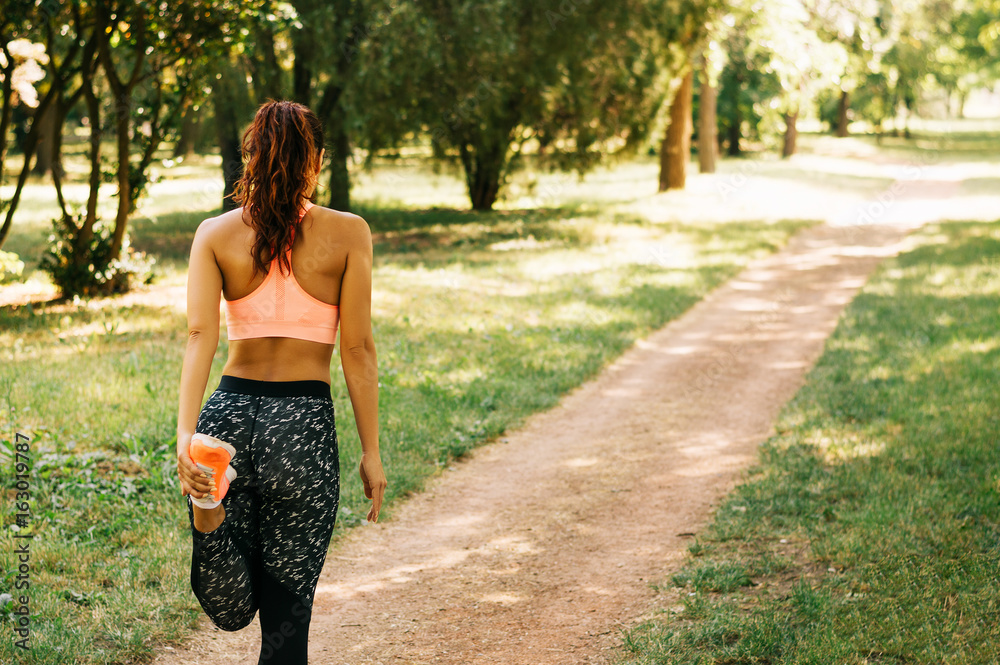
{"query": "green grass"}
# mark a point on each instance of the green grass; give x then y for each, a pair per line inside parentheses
(480, 320)
(870, 530)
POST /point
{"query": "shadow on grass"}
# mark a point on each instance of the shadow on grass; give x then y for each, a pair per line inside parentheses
(169, 237)
(445, 391)
(880, 490)
(454, 373)
(943, 145)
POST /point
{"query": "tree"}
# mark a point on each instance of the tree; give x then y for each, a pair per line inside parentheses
(146, 58)
(898, 48)
(150, 77)
(748, 82)
(61, 72)
(230, 101)
(326, 43)
(312, 52)
(682, 26)
(940, 42)
(20, 69)
(21, 62)
(493, 80)
(860, 28)
(675, 150)
(708, 144)
(803, 62)
(989, 32)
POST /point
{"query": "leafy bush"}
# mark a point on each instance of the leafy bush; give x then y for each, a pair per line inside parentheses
(11, 267)
(97, 272)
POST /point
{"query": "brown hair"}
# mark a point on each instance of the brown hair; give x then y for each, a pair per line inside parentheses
(280, 151)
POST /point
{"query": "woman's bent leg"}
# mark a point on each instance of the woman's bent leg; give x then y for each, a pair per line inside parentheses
(223, 572)
(225, 562)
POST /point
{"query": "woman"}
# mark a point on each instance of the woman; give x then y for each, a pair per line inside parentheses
(263, 501)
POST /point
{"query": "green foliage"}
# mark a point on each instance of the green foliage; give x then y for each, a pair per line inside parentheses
(492, 80)
(875, 101)
(827, 102)
(93, 270)
(747, 84)
(879, 497)
(11, 267)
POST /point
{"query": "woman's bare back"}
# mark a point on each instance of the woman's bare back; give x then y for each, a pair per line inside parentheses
(319, 258)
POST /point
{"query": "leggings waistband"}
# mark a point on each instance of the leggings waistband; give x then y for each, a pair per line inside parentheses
(308, 388)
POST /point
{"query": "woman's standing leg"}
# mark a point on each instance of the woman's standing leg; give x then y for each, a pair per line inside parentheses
(295, 451)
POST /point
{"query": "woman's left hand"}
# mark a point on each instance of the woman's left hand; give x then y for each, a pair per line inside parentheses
(193, 480)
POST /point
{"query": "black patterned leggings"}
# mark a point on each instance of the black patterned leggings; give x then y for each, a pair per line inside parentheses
(270, 549)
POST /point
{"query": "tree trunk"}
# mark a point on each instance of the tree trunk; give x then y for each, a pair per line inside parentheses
(6, 88)
(485, 185)
(58, 172)
(707, 127)
(123, 131)
(791, 134)
(30, 144)
(46, 139)
(265, 69)
(227, 129)
(963, 95)
(302, 75)
(81, 250)
(842, 107)
(733, 132)
(675, 152)
(483, 172)
(188, 138)
(340, 176)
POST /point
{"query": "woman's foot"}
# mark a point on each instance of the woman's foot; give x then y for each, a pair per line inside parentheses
(208, 520)
(212, 456)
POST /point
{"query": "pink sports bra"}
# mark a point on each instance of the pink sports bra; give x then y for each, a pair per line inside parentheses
(280, 307)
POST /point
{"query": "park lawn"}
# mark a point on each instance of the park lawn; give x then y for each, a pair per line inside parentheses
(480, 320)
(869, 532)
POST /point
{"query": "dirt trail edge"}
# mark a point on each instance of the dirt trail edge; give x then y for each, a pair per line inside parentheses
(534, 551)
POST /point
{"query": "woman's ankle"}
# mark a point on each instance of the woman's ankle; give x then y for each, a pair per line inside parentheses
(209, 520)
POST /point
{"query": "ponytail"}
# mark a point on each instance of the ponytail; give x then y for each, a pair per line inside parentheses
(281, 150)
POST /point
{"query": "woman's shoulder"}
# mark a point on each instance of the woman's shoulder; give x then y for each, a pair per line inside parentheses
(339, 216)
(221, 226)
(348, 226)
(223, 219)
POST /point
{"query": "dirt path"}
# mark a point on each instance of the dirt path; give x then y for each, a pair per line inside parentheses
(535, 549)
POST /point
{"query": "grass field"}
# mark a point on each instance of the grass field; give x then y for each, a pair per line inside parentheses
(480, 320)
(870, 530)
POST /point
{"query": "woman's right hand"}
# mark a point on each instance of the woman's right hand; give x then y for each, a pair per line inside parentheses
(193, 480)
(373, 479)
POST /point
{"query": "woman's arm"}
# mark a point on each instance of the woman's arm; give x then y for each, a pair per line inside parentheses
(204, 291)
(357, 356)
